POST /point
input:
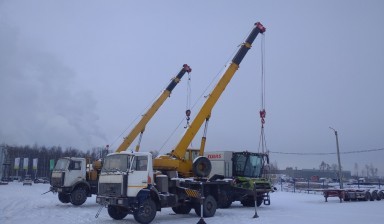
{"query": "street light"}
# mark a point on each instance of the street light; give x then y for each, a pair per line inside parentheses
(338, 159)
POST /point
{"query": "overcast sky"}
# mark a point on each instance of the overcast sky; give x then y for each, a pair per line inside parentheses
(78, 73)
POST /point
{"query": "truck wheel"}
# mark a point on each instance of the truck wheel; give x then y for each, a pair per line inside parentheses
(209, 207)
(259, 201)
(248, 202)
(225, 201)
(182, 209)
(374, 195)
(64, 198)
(346, 197)
(380, 195)
(226, 204)
(146, 212)
(116, 212)
(78, 196)
(367, 196)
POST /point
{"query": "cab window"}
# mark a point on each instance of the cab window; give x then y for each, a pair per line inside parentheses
(75, 165)
(140, 163)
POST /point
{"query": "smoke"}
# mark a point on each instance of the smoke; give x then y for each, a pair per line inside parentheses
(39, 101)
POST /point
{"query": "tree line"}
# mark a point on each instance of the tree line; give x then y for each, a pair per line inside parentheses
(43, 154)
(368, 170)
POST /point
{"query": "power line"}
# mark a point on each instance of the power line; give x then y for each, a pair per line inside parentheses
(326, 153)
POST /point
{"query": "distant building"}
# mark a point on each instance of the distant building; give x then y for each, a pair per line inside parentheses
(309, 174)
(2, 162)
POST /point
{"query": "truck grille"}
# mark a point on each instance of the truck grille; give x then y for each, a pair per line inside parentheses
(110, 189)
(58, 181)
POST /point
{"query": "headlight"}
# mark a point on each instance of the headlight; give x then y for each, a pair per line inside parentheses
(120, 201)
(98, 200)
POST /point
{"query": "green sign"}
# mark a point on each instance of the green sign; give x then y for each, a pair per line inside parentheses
(51, 164)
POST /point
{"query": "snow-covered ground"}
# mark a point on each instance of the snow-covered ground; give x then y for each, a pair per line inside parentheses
(25, 204)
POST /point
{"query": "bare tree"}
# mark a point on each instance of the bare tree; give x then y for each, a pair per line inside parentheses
(273, 166)
(322, 166)
(367, 168)
(372, 170)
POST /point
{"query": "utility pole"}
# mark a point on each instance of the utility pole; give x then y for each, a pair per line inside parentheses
(338, 159)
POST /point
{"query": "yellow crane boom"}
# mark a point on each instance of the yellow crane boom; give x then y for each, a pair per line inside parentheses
(140, 126)
(176, 159)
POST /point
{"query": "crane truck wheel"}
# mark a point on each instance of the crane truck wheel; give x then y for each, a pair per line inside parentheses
(78, 196)
(380, 195)
(259, 201)
(116, 212)
(226, 204)
(250, 202)
(201, 166)
(346, 197)
(64, 198)
(182, 209)
(209, 207)
(225, 200)
(374, 195)
(367, 196)
(146, 212)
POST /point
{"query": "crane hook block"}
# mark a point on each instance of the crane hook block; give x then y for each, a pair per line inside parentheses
(188, 113)
(262, 113)
(262, 116)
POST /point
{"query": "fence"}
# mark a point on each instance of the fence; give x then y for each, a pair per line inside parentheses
(309, 186)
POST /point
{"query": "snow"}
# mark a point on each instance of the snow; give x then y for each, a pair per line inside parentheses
(26, 204)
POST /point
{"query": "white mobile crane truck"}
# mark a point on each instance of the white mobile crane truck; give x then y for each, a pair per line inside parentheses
(75, 179)
(134, 183)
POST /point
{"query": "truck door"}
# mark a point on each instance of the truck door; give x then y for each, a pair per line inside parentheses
(138, 175)
(76, 172)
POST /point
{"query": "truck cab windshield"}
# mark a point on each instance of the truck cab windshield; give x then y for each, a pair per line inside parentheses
(62, 164)
(248, 165)
(119, 162)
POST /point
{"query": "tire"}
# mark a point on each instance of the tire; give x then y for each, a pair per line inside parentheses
(367, 196)
(225, 200)
(146, 212)
(259, 201)
(182, 209)
(209, 207)
(248, 202)
(64, 198)
(226, 204)
(116, 212)
(78, 196)
(380, 195)
(373, 195)
(346, 197)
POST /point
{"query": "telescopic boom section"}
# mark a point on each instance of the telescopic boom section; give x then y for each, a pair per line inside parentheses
(168, 162)
(140, 126)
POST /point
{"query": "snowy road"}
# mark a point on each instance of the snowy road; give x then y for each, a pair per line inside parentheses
(25, 204)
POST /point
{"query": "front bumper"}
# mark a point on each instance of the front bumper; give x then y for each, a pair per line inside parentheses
(126, 202)
(65, 190)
